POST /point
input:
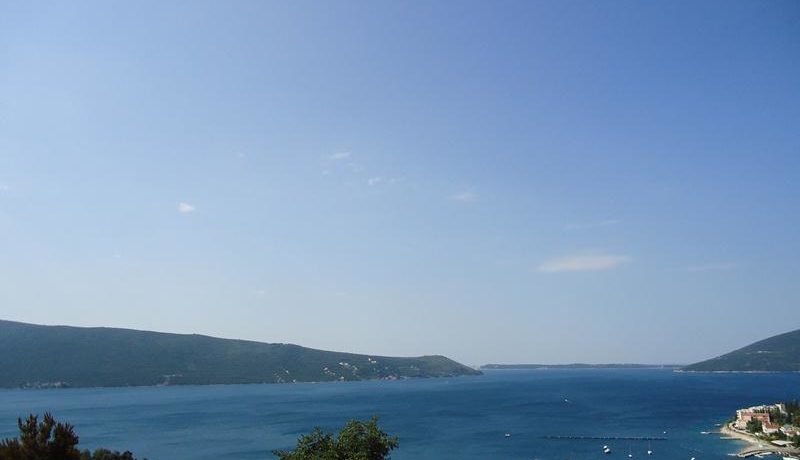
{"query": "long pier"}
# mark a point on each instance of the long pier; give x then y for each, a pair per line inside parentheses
(767, 450)
(756, 451)
(609, 438)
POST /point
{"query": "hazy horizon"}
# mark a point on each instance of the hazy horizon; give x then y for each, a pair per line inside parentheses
(523, 182)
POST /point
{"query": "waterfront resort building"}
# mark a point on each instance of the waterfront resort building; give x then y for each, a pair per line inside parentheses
(758, 413)
(743, 416)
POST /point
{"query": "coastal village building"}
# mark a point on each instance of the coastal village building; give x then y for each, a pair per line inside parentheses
(781, 443)
(743, 416)
(769, 427)
(761, 414)
(790, 430)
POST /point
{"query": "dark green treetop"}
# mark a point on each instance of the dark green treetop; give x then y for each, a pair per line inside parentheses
(356, 441)
(45, 440)
(51, 440)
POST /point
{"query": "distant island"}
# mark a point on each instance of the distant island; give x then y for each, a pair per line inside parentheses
(35, 356)
(580, 366)
(780, 353)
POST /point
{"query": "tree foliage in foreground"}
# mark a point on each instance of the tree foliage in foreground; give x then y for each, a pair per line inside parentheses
(51, 440)
(356, 441)
(754, 426)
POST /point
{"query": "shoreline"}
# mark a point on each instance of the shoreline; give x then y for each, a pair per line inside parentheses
(244, 384)
(756, 445)
(684, 371)
(726, 430)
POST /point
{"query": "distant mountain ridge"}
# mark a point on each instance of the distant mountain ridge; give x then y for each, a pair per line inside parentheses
(53, 356)
(581, 366)
(780, 353)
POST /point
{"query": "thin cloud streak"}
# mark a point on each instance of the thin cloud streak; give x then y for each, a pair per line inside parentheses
(464, 197)
(340, 156)
(713, 267)
(185, 208)
(584, 225)
(583, 263)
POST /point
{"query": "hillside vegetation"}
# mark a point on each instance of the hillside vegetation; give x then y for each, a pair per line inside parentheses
(780, 353)
(53, 356)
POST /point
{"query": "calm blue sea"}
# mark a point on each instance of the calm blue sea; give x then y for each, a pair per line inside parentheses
(458, 418)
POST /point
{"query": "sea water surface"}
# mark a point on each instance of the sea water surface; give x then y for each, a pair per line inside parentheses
(454, 418)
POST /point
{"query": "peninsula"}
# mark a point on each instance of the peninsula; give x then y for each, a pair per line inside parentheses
(780, 353)
(61, 356)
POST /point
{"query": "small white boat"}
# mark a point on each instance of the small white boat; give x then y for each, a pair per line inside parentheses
(606, 450)
(508, 435)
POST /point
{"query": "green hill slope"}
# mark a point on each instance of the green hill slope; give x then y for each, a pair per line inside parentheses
(780, 353)
(32, 355)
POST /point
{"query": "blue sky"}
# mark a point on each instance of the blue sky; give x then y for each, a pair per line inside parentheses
(497, 182)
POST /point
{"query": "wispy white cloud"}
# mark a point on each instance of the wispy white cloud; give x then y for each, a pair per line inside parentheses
(713, 267)
(339, 156)
(374, 181)
(355, 167)
(584, 225)
(465, 196)
(586, 262)
(4, 188)
(185, 208)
